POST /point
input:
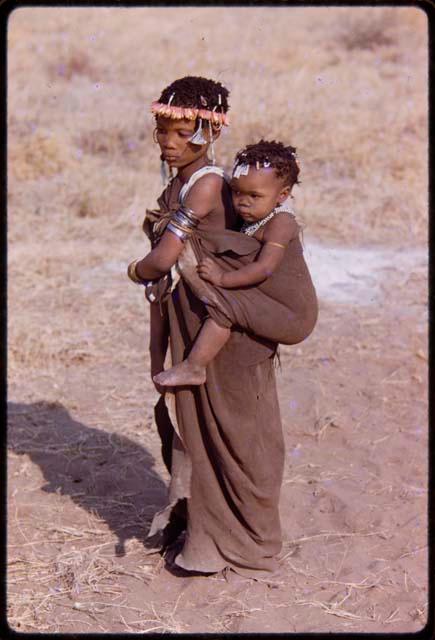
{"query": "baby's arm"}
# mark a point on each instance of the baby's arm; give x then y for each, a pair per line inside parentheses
(276, 235)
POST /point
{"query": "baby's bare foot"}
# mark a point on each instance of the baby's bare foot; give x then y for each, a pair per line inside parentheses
(181, 374)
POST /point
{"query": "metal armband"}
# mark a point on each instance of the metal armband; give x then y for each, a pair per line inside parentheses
(132, 273)
(183, 223)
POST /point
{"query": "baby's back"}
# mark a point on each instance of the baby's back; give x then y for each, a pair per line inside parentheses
(291, 284)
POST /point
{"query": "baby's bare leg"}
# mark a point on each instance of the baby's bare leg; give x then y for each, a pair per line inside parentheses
(209, 342)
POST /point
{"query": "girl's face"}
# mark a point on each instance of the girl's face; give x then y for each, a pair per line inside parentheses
(173, 139)
(256, 194)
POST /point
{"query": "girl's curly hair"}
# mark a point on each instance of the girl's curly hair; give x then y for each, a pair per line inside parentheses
(197, 92)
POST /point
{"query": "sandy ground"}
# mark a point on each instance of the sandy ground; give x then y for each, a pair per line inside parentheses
(86, 476)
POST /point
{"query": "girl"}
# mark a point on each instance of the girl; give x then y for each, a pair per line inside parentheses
(223, 444)
(263, 177)
(189, 115)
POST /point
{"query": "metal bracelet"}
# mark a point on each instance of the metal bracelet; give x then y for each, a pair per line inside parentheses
(182, 227)
(189, 213)
(185, 218)
(180, 233)
(132, 273)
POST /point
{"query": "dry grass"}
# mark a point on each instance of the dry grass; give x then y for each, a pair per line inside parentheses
(73, 62)
(352, 97)
(38, 586)
(41, 155)
(367, 30)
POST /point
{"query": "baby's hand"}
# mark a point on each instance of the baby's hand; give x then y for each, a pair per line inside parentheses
(209, 270)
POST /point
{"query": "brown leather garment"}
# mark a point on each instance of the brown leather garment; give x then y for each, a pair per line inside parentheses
(227, 446)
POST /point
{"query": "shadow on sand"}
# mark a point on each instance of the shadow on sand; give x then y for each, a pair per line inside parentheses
(106, 474)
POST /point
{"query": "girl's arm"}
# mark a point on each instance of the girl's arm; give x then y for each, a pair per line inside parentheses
(276, 236)
(202, 199)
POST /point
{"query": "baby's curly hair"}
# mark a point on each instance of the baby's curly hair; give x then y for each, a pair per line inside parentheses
(280, 157)
(189, 91)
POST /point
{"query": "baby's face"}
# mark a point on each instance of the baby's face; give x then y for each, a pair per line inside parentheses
(256, 194)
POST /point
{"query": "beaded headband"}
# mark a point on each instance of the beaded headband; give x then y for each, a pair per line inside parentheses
(241, 168)
(189, 113)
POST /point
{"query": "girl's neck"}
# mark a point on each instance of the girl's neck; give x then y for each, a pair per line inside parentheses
(184, 173)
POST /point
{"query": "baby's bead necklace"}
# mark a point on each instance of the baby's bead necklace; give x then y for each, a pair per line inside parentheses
(249, 228)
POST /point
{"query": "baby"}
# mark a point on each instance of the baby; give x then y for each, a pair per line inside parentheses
(262, 179)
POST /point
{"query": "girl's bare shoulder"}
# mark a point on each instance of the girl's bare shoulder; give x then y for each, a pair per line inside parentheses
(210, 183)
(205, 193)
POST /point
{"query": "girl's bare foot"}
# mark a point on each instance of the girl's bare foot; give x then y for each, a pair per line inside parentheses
(181, 374)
